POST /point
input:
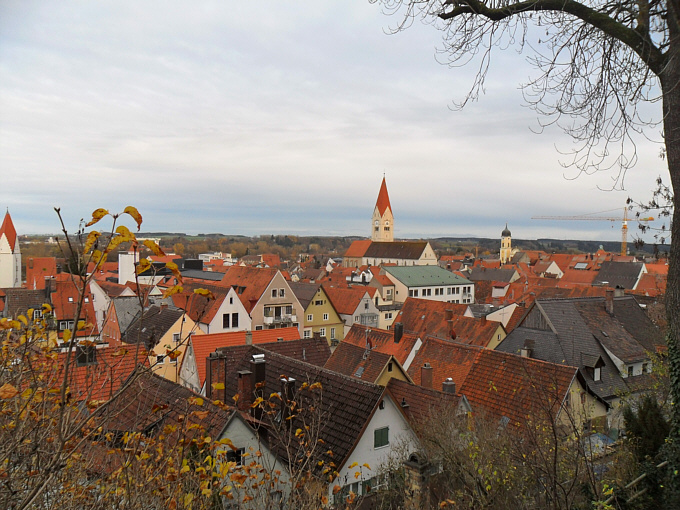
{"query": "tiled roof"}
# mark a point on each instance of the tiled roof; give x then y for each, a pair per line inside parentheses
(39, 268)
(112, 289)
(102, 379)
(357, 248)
(447, 359)
(423, 276)
(623, 275)
(345, 403)
(253, 281)
(421, 403)
(18, 300)
(64, 298)
(382, 341)
(411, 250)
(203, 345)
(7, 229)
(652, 284)
(149, 401)
(346, 300)
(151, 326)
(198, 307)
(304, 292)
(383, 202)
(358, 362)
(493, 274)
(445, 320)
(521, 389)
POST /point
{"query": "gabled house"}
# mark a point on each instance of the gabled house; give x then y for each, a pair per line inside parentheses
(193, 364)
(366, 364)
(448, 321)
(401, 253)
(266, 296)
(362, 424)
(121, 313)
(429, 282)
(610, 340)
(102, 294)
(222, 312)
(355, 305)
(64, 297)
(403, 346)
(320, 316)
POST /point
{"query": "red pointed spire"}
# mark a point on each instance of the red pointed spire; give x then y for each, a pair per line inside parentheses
(383, 202)
(8, 230)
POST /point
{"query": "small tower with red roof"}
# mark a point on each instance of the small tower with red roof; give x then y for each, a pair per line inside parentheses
(10, 255)
(382, 226)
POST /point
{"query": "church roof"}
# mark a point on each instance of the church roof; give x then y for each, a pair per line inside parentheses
(383, 202)
(506, 232)
(8, 230)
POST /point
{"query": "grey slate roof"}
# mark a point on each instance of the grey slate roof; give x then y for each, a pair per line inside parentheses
(304, 292)
(18, 300)
(396, 250)
(491, 274)
(150, 327)
(203, 275)
(623, 275)
(127, 309)
(577, 331)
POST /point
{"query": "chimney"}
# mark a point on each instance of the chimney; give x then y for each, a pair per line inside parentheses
(525, 352)
(257, 367)
(618, 292)
(245, 390)
(249, 337)
(426, 376)
(398, 332)
(287, 398)
(609, 301)
(449, 386)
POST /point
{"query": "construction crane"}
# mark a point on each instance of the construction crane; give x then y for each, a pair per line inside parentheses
(589, 217)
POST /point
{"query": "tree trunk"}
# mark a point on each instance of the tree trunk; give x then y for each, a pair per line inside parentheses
(670, 86)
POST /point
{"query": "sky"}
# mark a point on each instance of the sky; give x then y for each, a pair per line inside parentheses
(267, 117)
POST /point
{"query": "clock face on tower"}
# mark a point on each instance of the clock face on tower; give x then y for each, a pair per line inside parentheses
(387, 223)
(377, 223)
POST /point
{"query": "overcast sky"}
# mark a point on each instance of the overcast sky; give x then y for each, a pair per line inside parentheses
(274, 117)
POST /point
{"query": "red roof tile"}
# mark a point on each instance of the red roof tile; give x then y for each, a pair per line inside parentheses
(7, 229)
(250, 282)
(358, 248)
(381, 341)
(203, 345)
(358, 362)
(383, 202)
(39, 268)
(346, 300)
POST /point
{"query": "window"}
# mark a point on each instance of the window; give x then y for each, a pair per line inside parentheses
(356, 318)
(427, 292)
(225, 321)
(318, 302)
(630, 371)
(448, 291)
(87, 300)
(37, 314)
(366, 305)
(274, 292)
(310, 317)
(86, 355)
(236, 456)
(65, 325)
(289, 310)
(282, 292)
(267, 311)
(381, 437)
(389, 366)
(645, 368)
(306, 334)
(596, 374)
(234, 320)
(159, 359)
(175, 337)
(258, 328)
(388, 315)
(413, 292)
(322, 331)
(231, 300)
(332, 333)
(325, 316)
(389, 293)
(70, 300)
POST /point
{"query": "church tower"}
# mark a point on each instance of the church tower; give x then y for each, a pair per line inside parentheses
(10, 255)
(506, 245)
(382, 225)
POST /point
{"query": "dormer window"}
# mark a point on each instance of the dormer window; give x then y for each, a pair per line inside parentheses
(597, 374)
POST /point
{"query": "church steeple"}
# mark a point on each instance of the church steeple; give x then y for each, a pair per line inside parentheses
(382, 224)
(10, 254)
(506, 245)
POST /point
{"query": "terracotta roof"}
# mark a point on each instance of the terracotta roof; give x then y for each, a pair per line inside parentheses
(383, 202)
(203, 345)
(447, 359)
(251, 283)
(64, 299)
(346, 300)
(421, 403)
(357, 248)
(198, 307)
(112, 289)
(382, 341)
(358, 362)
(652, 284)
(39, 268)
(7, 229)
(520, 389)
(101, 379)
(271, 259)
(445, 320)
